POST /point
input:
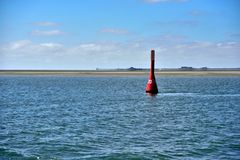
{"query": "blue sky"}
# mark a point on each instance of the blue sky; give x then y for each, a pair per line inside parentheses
(79, 34)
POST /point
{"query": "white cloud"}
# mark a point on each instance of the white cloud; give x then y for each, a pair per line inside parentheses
(47, 32)
(48, 48)
(115, 31)
(46, 24)
(96, 47)
(19, 44)
(51, 45)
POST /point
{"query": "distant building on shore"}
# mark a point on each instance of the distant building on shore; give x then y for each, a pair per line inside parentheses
(185, 68)
(134, 69)
(204, 68)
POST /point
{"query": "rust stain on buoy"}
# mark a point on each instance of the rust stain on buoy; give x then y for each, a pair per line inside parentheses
(152, 85)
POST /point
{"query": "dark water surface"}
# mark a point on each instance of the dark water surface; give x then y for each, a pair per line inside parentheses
(45, 117)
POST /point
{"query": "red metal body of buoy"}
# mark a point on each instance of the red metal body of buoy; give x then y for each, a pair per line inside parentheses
(152, 85)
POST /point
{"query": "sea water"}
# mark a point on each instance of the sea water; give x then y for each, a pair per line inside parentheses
(63, 117)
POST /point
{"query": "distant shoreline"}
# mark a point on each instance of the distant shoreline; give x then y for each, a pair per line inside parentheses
(116, 73)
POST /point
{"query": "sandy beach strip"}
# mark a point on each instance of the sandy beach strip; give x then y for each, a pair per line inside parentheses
(117, 73)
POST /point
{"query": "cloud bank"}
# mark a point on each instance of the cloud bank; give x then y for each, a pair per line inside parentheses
(171, 51)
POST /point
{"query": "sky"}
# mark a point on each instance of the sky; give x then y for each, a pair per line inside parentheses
(90, 34)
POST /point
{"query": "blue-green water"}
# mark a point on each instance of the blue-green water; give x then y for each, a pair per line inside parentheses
(45, 117)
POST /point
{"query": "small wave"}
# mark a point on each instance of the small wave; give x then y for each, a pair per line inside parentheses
(136, 156)
(5, 154)
(221, 95)
(178, 94)
(199, 95)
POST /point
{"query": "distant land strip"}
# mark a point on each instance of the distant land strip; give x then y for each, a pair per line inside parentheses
(120, 72)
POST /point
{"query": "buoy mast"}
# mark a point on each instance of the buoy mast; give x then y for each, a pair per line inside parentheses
(152, 85)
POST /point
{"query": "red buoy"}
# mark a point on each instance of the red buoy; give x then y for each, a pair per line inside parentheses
(152, 85)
